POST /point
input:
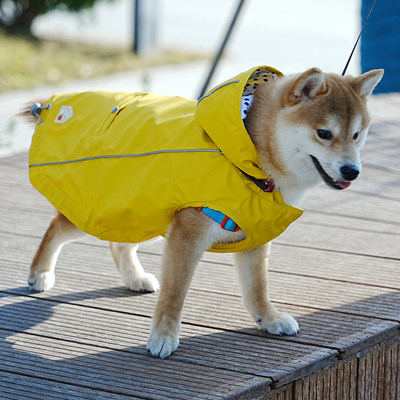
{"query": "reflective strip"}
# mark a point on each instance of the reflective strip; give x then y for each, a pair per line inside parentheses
(217, 88)
(127, 156)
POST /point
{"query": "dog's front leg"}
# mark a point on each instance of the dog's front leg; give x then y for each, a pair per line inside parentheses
(252, 268)
(187, 239)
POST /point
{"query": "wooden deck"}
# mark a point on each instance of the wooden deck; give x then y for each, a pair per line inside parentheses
(337, 270)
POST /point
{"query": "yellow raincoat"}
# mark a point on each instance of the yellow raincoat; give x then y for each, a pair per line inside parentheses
(120, 165)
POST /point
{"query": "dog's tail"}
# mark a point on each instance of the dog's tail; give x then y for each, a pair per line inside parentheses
(29, 113)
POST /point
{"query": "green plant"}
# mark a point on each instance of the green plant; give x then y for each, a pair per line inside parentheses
(16, 16)
(26, 63)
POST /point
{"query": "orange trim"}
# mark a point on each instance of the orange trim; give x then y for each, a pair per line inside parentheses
(224, 221)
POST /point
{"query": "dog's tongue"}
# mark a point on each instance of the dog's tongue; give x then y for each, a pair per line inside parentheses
(343, 185)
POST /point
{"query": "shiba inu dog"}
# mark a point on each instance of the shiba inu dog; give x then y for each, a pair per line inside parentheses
(253, 169)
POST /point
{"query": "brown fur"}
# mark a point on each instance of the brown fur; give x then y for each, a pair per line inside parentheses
(300, 104)
(26, 111)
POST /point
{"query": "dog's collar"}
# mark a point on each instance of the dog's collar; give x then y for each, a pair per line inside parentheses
(266, 185)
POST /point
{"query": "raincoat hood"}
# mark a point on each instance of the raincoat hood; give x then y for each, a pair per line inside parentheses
(218, 112)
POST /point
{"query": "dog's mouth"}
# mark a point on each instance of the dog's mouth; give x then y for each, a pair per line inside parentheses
(327, 179)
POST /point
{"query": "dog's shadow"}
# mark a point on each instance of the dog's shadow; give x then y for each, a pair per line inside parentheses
(51, 354)
(105, 363)
(32, 337)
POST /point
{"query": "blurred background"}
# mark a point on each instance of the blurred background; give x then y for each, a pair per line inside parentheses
(168, 46)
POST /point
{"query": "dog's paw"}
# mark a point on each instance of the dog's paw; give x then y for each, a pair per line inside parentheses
(43, 282)
(143, 283)
(285, 324)
(162, 343)
(162, 346)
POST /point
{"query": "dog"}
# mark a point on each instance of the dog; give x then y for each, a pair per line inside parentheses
(292, 133)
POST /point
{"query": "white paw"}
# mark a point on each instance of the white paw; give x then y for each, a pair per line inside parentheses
(42, 282)
(143, 283)
(285, 324)
(162, 344)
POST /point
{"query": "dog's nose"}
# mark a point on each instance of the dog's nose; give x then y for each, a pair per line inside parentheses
(349, 172)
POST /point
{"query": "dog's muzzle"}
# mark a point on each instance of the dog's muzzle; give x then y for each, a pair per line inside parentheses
(348, 171)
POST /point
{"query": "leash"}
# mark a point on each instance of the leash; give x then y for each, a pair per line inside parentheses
(222, 47)
(358, 39)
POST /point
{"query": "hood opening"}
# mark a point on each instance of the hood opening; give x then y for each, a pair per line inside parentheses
(219, 112)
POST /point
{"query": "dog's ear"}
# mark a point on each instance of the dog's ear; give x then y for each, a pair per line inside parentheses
(365, 84)
(307, 86)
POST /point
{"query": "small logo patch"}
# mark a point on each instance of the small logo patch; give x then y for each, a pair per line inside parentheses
(65, 113)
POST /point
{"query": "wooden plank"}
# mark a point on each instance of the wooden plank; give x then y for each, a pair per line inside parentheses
(374, 373)
(298, 389)
(316, 262)
(116, 372)
(333, 384)
(339, 380)
(384, 108)
(397, 357)
(368, 376)
(350, 378)
(326, 383)
(381, 375)
(336, 266)
(336, 383)
(339, 239)
(378, 205)
(395, 368)
(319, 263)
(17, 160)
(378, 372)
(16, 386)
(385, 350)
(233, 351)
(254, 390)
(337, 216)
(284, 393)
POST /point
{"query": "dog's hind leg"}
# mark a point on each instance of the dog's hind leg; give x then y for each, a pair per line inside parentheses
(130, 268)
(61, 231)
(252, 268)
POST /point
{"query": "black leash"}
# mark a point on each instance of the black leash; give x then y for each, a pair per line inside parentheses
(266, 185)
(358, 39)
(228, 33)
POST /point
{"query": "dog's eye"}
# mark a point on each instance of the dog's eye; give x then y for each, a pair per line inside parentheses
(324, 134)
(355, 136)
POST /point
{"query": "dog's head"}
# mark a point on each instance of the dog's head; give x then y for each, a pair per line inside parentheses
(321, 125)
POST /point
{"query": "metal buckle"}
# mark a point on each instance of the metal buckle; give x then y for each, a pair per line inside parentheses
(36, 109)
(269, 185)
